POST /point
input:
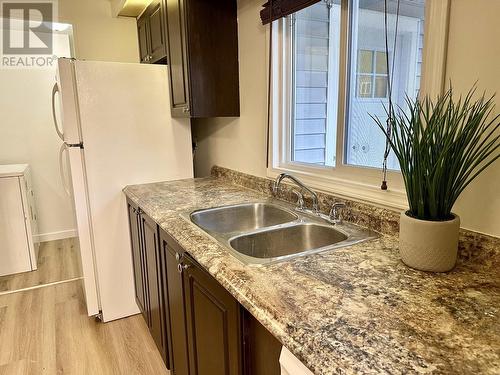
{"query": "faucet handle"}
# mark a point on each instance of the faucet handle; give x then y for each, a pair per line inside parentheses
(336, 212)
(300, 200)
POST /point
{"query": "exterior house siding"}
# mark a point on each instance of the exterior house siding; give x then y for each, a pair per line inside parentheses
(311, 28)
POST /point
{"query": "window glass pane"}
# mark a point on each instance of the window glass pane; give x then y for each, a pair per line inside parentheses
(364, 141)
(381, 63)
(365, 61)
(365, 83)
(315, 35)
(381, 87)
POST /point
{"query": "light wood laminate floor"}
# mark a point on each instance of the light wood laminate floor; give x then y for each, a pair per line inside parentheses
(47, 331)
(57, 261)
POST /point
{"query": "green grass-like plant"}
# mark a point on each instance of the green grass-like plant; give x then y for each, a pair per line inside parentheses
(442, 146)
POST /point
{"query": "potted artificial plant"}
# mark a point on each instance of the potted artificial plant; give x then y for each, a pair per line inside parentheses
(441, 146)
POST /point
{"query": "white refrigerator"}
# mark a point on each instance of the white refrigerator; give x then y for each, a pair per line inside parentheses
(115, 124)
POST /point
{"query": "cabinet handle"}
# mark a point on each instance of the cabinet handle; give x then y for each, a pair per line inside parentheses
(181, 267)
(178, 257)
(186, 109)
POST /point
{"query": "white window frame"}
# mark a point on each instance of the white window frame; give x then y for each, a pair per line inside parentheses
(352, 182)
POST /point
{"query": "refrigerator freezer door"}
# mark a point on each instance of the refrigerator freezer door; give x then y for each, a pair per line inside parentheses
(129, 138)
(69, 127)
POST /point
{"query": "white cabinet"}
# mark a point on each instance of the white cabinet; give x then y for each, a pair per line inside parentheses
(290, 365)
(18, 220)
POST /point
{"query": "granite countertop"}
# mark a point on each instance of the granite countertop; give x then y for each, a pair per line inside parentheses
(355, 310)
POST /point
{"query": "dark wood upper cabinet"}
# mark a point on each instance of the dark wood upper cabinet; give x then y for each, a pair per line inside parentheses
(212, 46)
(178, 67)
(213, 324)
(199, 39)
(157, 32)
(151, 30)
(143, 34)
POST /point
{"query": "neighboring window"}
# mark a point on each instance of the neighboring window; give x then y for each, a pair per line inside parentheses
(372, 74)
(316, 74)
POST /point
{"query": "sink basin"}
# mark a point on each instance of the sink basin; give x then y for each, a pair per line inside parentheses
(271, 231)
(241, 217)
(285, 241)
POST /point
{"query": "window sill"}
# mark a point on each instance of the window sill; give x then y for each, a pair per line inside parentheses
(392, 199)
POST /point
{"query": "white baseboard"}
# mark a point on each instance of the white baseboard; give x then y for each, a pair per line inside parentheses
(53, 236)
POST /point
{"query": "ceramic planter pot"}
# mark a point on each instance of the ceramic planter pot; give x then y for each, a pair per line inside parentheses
(429, 245)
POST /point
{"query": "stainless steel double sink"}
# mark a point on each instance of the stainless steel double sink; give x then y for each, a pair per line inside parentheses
(272, 231)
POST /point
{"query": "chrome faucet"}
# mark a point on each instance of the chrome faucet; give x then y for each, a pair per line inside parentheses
(300, 184)
(336, 212)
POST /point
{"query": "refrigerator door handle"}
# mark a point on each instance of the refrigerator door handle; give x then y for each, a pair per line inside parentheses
(55, 90)
(64, 177)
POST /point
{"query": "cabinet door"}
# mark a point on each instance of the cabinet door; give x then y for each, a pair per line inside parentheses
(157, 40)
(213, 316)
(166, 309)
(261, 349)
(213, 58)
(177, 58)
(143, 34)
(137, 258)
(178, 335)
(155, 308)
(14, 244)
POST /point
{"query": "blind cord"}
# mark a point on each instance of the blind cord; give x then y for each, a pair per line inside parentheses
(390, 72)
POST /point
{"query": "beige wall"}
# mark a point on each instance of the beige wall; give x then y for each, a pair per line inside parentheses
(27, 136)
(26, 131)
(99, 36)
(473, 55)
(240, 143)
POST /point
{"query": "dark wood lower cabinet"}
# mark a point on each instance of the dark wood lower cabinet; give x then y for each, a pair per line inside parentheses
(213, 324)
(261, 349)
(197, 325)
(178, 333)
(138, 259)
(156, 306)
(148, 277)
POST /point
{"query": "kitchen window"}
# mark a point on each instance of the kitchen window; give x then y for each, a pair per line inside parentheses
(330, 76)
